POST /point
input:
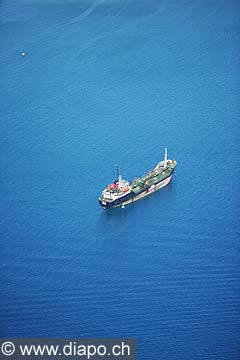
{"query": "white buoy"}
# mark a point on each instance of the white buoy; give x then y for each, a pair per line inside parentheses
(123, 206)
(23, 54)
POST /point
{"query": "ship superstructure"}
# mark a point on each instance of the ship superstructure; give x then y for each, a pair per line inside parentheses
(121, 193)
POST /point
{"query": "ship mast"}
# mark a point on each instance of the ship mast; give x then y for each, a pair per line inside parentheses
(118, 171)
(165, 158)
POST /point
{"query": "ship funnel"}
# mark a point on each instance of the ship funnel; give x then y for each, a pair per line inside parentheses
(165, 158)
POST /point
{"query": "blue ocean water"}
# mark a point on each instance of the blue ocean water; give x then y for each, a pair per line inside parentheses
(108, 82)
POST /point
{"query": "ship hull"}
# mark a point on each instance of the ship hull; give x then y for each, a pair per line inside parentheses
(133, 197)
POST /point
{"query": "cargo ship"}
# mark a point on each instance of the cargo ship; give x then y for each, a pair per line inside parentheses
(121, 192)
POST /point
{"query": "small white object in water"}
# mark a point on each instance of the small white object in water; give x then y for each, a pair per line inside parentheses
(23, 54)
(123, 206)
